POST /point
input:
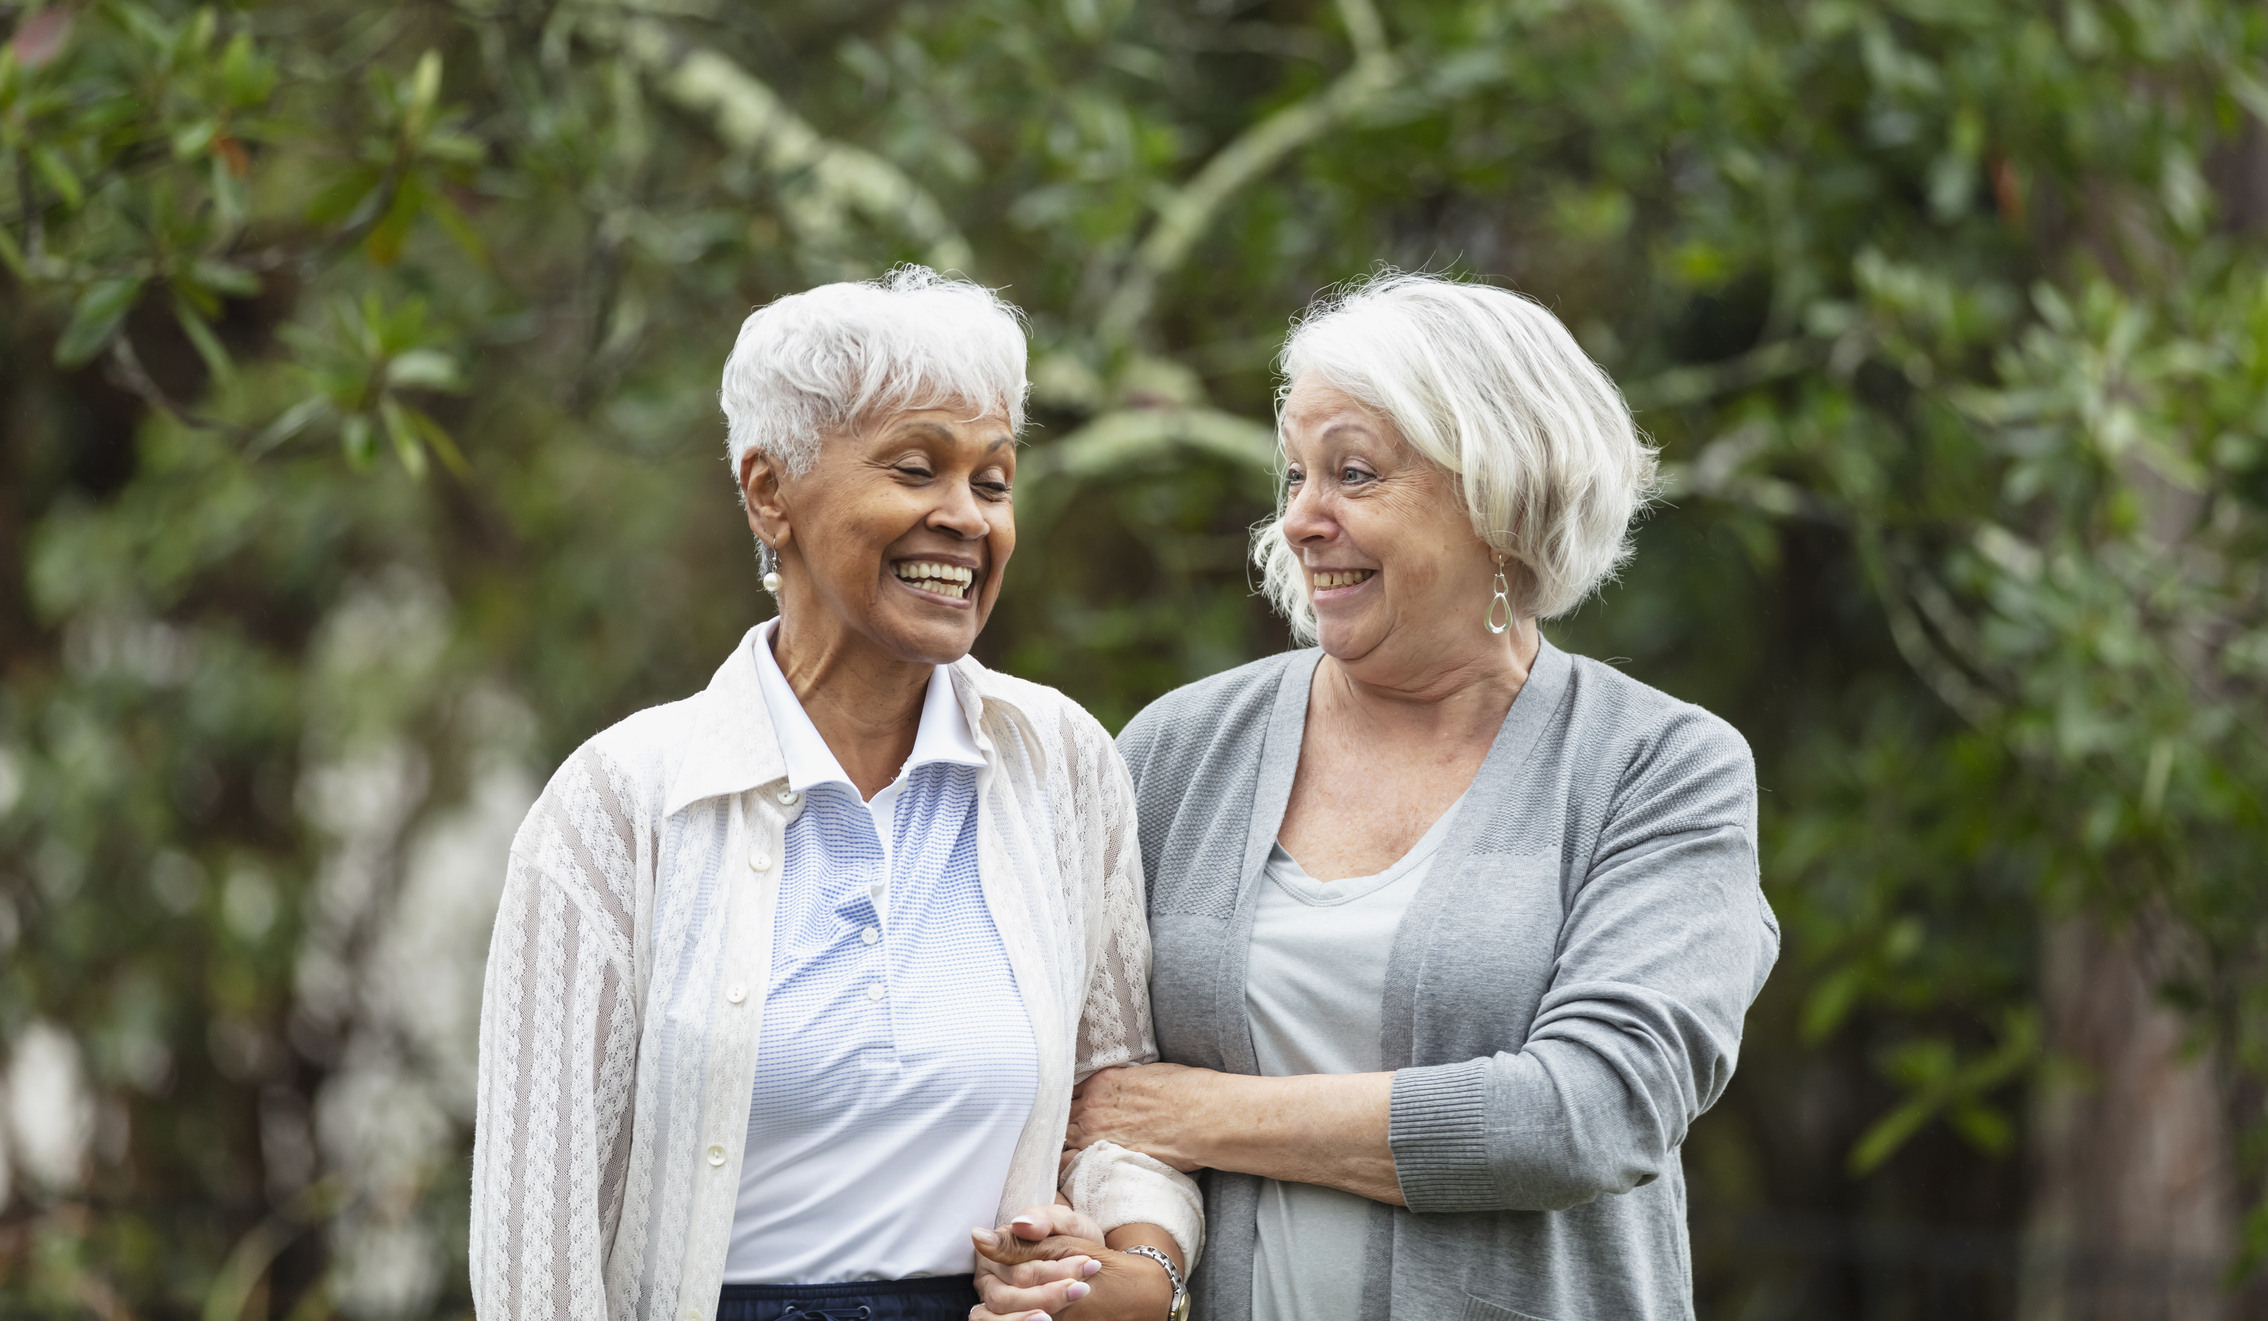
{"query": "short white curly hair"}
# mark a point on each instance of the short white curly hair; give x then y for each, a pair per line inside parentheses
(833, 357)
(1490, 386)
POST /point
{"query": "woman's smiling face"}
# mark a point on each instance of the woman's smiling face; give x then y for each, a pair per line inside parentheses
(899, 530)
(1393, 566)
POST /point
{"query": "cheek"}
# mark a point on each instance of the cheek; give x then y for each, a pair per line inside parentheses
(1003, 535)
(1421, 535)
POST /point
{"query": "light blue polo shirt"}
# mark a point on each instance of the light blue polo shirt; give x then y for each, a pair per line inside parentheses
(896, 1067)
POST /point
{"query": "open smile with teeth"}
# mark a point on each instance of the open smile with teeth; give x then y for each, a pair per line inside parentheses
(1329, 578)
(947, 580)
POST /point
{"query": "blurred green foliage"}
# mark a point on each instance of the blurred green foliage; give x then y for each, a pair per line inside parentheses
(358, 458)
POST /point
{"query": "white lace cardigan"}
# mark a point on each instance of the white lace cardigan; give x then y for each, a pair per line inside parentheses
(619, 1019)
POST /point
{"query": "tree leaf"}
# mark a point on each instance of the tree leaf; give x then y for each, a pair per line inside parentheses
(357, 439)
(94, 320)
(59, 175)
(202, 339)
(385, 242)
(192, 141)
(345, 196)
(424, 369)
(292, 421)
(454, 224)
(443, 444)
(221, 277)
(409, 447)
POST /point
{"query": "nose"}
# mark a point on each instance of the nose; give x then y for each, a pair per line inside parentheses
(958, 514)
(1307, 515)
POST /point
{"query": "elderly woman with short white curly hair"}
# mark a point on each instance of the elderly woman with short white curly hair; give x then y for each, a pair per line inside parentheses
(1454, 931)
(793, 978)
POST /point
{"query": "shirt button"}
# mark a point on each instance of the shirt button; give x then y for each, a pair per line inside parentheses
(787, 797)
(876, 889)
(736, 994)
(716, 1154)
(869, 936)
(874, 992)
(760, 861)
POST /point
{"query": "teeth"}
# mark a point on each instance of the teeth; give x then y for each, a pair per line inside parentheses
(1340, 578)
(943, 579)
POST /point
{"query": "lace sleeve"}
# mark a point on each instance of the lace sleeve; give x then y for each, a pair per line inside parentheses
(1115, 1185)
(558, 1048)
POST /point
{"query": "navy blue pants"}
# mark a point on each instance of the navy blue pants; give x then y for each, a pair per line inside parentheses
(933, 1298)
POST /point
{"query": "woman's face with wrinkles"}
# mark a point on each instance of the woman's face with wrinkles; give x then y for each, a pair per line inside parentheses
(899, 530)
(1393, 566)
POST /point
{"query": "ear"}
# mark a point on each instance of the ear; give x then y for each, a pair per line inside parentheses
(763, 491)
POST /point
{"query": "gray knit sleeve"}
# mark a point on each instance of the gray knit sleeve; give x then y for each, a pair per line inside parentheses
(1663, 946)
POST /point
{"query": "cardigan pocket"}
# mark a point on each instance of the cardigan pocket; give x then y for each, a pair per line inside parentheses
(1477, 1310)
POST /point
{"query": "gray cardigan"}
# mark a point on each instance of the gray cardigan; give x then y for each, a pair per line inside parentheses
(1563, 999)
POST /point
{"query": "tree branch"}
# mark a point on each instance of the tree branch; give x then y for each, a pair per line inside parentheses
(825, 180)
(1182, 220)
(1693, 385)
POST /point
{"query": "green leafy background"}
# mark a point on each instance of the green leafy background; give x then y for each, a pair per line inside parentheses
(359, 457)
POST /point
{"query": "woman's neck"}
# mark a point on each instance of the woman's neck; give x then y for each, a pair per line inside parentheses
(1420, 694)
(863, 701)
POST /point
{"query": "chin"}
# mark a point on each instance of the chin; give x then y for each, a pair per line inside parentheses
(1342, 638)
(932, 642)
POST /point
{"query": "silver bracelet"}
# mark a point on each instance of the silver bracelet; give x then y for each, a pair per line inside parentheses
(1178, 1310)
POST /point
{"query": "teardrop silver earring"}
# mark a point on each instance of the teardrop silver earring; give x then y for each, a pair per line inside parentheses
(1501, 603)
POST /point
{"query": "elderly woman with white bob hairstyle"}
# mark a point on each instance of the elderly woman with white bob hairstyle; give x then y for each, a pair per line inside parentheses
(793, 978)
(1454, 932)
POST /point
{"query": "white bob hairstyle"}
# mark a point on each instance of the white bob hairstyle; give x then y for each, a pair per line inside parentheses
(831, 358)
(1490, 386)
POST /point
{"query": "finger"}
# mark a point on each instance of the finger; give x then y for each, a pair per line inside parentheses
(1046, 1298)
(1034, 1223)
(1032, 1274)
(1009, 1250)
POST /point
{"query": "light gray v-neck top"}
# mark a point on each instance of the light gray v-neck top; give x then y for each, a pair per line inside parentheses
(1315, 986)
(1563, 998)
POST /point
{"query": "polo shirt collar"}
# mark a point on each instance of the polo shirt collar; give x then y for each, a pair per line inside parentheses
(943, 735)
(735, 743)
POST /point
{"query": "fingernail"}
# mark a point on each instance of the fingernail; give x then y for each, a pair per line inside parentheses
(1024, 1222)
(986, 1237)
(1078, 1291)
(1091, 1267)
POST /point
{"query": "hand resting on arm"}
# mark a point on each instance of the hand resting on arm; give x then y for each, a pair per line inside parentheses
(1323, 1128)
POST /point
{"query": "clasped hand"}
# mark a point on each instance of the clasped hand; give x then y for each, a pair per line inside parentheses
(1051, 1262)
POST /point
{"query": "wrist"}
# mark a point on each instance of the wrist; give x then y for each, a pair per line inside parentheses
(1216, 1109)
(1156, 1290)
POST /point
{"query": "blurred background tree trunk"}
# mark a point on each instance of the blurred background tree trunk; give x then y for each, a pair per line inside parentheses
(2134, 1202)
